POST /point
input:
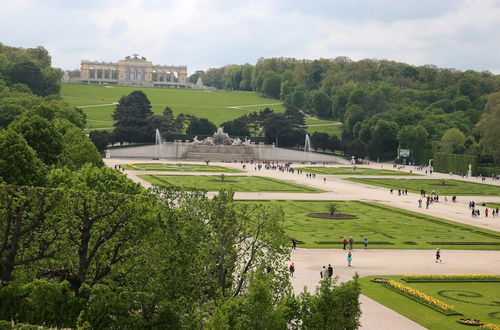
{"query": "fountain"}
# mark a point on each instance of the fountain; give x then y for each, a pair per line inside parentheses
(158, 143)
(307, 148)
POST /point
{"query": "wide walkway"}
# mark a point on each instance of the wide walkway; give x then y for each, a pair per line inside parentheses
(369, 262)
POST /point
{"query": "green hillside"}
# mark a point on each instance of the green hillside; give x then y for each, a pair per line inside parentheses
(217, 106)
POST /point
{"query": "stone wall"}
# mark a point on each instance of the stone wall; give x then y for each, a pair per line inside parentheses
(186, 150)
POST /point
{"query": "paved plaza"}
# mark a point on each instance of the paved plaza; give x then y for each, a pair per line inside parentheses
(369, 262)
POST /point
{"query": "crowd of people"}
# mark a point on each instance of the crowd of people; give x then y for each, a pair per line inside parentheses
(475, 212)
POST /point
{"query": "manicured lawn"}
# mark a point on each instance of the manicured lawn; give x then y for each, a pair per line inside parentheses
(473, 300)
(237, 183)
(384, 226)
(451, 187)
(179, 168)
(330, 129)
(491, 205)
(212, 105)
(350, 171)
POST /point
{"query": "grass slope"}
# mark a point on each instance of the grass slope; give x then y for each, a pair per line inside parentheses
(475, 300)
(179, 168)
(451, 187)
(237, 183)
(402, 229)
(350, 171)
(212, 105)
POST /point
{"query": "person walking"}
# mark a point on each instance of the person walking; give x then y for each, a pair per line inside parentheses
(322, 273)
(330, 270)
(438, 256)
(351, 242)
(486, 212)
(345, 242)
(292, 269)
(294, 243)
(349, 258)
(365, 242)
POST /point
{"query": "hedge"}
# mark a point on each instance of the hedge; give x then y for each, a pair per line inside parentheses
(488, 171)
(456, 164)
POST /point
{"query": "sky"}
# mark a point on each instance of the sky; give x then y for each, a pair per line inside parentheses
(460, 34)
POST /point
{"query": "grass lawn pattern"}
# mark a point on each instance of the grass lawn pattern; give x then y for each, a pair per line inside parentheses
(212, 105)
(179, 168)
(472, 299)
(490, 205)
(329, 129)
(395, 228)
(237, 183)
(350, 171)
(452, 187)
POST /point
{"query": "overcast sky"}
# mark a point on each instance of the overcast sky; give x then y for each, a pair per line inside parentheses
(212, 33)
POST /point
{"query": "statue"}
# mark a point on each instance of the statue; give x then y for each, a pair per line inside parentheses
(221, 138)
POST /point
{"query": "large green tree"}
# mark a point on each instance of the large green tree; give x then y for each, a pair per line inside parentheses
(131, 116)
(41, 135)
(488, 126)
(30, 219)
(19, 164)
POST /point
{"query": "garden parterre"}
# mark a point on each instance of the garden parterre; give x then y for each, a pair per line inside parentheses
(449, 188)
(385, 227)
(478, 300)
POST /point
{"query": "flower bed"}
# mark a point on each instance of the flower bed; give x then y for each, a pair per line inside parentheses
(469, 321)
(489, 326)
(379, 280)
(421, 297)
(452, 278)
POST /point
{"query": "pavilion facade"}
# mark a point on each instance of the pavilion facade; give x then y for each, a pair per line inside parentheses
(133, 71)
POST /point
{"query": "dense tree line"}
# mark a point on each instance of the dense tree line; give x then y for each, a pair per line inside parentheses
(382, 104)
(29, 69)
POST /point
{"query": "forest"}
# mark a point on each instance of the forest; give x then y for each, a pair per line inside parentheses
(383, 105)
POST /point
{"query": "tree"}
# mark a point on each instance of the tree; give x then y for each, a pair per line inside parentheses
(30, 221)
(240, 234)
(105, 220)
(19, 164)
(332, 307)
(333, 208)
(453, 141)
(237, 127)
(131, 115)
(100, 139)
(488, 126)
(8, 112)
(78, 150)
(41, 135)
(201, 126)
(384, 141)
(320, 140)
(271, 84)
(416, 139)
(322, 105)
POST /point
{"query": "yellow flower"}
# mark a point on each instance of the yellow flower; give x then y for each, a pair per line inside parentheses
(420, 295)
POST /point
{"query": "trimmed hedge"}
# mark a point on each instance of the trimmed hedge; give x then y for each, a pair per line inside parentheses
(488, 171)
(455, 164)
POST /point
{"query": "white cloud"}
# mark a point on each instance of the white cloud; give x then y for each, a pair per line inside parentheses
(202, 34)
